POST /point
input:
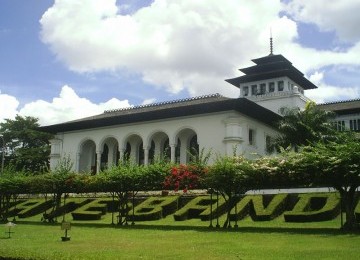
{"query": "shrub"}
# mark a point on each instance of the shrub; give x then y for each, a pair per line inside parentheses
(184, 177)
(199, 207)
(93, 210)
(314, 207)
(155, 208)
(262, 212)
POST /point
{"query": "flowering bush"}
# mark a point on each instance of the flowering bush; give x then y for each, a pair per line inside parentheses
(185, 177)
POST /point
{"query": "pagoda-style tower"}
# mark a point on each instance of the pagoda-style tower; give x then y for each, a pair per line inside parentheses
(273, 83)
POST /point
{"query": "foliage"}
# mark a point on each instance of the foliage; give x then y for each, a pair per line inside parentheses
(184, 177)
(314, 207)
(26, 147)
(303, 127)
(230, 177)
(154, 174)
(155, 208)
(336, 165)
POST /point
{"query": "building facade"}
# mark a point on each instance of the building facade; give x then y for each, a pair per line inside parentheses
(175, 129)
(347, 114)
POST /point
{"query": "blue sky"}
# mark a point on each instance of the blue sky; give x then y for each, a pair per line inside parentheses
(65, 59)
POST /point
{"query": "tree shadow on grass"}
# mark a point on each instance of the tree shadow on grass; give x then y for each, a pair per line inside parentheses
(263, 230)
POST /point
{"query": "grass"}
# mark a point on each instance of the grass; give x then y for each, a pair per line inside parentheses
(191, 239)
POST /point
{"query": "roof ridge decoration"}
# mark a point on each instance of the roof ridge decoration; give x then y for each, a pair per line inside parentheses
(338, 102)
(271, 42)
(164, 103)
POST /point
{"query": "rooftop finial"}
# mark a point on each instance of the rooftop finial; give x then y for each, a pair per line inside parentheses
(271, 42)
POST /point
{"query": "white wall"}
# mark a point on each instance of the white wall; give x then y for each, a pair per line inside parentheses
(217, 132)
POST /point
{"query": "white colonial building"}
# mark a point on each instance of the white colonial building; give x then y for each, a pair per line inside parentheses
(172, 129)
(347, 114)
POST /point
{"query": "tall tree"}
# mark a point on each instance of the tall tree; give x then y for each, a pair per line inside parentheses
(337, 165)
(304, 127)
(26, 148)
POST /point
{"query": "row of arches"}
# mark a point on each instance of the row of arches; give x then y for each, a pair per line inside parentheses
(96, 157)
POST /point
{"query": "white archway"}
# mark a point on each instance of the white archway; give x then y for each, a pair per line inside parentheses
(87, 156)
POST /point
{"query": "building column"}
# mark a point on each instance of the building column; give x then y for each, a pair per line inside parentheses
(172, 152)
(77, 162)
(121, 155)
(111, 156)
(146, 155)
(98, 161)
(184, 145)
(158, 150)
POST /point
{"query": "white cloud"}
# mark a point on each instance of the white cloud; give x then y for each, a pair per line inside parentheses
(68, 106)
(340, 16)
(176, 44)
(194, 45)
(149, 101)
(326, 93)
(8, 107)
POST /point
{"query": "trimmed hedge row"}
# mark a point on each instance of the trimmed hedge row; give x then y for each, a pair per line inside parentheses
(30, 208)
(262, 211)
(94, 209)
(200, 207)
(155, 208)
(314, 207)
(303, 207)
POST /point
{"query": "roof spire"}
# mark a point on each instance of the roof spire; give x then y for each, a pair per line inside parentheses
(271, 42)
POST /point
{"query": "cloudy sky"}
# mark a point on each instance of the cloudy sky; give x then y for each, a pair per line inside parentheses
(65, 59)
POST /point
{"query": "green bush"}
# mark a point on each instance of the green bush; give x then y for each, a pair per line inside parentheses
(71, 204)
(266, 208)
(93, 210)
(314, 207)
(242, 208)
(199, 207)
(357, 212)
(31, 207)
(155, 208)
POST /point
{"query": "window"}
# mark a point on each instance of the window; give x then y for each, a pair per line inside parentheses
(280, 85)
(262, 89)
(254, 90)
(245, 91)
(339, 125)
(251, 137)
(271, 86)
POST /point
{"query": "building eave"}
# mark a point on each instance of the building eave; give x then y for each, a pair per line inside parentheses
(241, 105)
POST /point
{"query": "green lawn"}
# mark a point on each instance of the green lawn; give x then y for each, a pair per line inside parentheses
(192, 239)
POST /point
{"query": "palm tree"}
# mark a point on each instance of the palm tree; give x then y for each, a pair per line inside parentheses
(304, 127)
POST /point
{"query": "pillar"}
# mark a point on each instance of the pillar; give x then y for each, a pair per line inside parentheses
(98, 161)
(77, 162)
(172, 152)
(146, 155)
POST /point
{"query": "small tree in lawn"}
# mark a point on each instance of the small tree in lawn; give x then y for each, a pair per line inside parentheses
(337, 165)
(122, 180)
(59, 181)
(12, 183)
(229, 176)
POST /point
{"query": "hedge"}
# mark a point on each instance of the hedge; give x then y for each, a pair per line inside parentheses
(155, 208)
(262, 211)
(31, 207)
(357, 212)
(199, 207)
(93, 210)
(314, 207)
